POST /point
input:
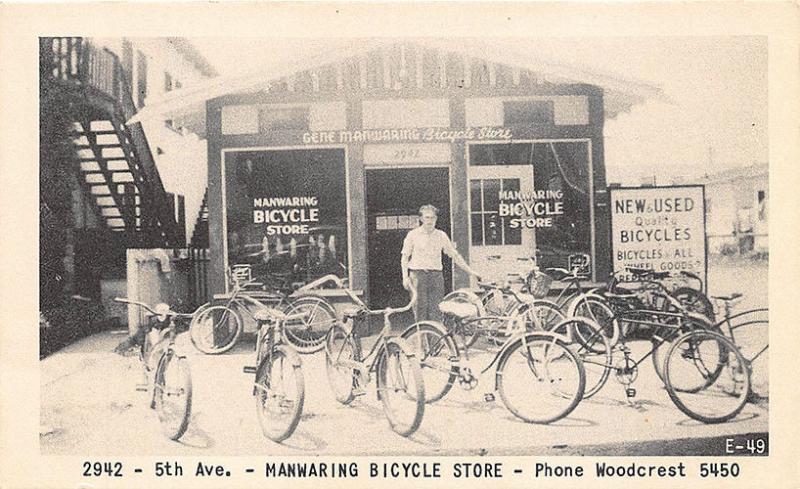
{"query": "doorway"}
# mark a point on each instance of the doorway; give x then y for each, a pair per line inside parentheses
(394, 197)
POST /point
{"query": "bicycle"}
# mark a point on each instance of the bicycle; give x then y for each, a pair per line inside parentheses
(399, 381)
(534, 368)
(279, 386)
(216, 328)
(697, 357)
(166, 372)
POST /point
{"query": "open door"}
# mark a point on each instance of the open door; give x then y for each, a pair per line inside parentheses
(394, 197)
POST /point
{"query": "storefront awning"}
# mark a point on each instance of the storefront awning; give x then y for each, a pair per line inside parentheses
(186, 107)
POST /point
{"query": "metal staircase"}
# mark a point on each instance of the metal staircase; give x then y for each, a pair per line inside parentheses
(116, 167)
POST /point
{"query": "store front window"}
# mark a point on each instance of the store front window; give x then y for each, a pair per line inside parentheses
(286, 215)
(527, 198)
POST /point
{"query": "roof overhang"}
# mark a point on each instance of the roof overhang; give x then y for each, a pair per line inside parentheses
(187, 106)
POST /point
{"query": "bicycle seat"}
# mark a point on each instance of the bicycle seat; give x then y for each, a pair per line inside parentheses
(660, 275)
(264, 314)
(558, 273)
(728, 298)
(460, 310)
(352, 312)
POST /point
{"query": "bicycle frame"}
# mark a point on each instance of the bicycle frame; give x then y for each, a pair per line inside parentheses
(730, 327)
(463, 354)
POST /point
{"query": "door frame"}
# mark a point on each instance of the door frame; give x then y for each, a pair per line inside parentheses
(446, 166)
(588, 142)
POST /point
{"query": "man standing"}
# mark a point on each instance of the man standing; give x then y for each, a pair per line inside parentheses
(422, 264)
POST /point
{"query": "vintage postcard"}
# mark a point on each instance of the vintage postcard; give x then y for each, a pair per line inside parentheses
(484, 244)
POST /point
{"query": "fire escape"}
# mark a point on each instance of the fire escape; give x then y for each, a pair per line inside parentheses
(116, 169)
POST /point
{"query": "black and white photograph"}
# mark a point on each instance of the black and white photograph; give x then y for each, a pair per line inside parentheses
(406, 238)
(413, 247)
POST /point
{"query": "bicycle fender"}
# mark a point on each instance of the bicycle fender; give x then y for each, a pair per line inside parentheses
(472, 297)
(505, 351)
(414, 327)
(577, 299)
(291, 355)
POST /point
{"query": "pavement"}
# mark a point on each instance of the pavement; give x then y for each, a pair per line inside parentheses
(89, 406)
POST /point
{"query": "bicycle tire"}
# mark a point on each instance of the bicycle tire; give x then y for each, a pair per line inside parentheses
(310, 337)
(286, 362)
(341, 347)
(599, 311)
(671, 364)
(389, 373)
(438, 381)
(169, 363)
(548, 348)
(592, 347)
(202, 335)
(660, 350)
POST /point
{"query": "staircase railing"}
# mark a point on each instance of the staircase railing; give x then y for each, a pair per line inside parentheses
(76, 60)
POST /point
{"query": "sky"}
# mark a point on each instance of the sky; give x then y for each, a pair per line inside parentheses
(715, 116)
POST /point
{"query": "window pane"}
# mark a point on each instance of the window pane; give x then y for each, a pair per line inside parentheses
(475, 196)
(476, 222)
(511, 236)
(287, 214)
(492, 228)
(491, 194)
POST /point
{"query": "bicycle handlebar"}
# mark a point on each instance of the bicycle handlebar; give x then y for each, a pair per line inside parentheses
(168, 312)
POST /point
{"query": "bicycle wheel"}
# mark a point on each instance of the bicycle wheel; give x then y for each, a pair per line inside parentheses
(172, 394)
(599, 311)
(707, 376)
(400, 388)
(341, 354)
(469, 329)
(437, 354)
(540, 379)
(279, 394)
(308, 335)
(695, 301)
(215, 329)
(541, 315)
(669, 334)
(593, 348)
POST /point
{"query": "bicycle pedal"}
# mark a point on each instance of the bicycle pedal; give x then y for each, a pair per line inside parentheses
(630, 392)
(142, 387)
(359, 392)
(488, 397)
(249, 370)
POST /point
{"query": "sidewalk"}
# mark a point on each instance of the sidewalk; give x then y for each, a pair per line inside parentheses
(89, 406)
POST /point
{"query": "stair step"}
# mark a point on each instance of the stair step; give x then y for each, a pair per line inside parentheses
(102, 132)
(101, 146)
(108, 158)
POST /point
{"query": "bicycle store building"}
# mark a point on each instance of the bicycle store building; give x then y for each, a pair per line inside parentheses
(320, 167)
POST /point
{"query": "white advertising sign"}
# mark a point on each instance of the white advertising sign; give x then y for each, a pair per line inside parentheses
(661, 228)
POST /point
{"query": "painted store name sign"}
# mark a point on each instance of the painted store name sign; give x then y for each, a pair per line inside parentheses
(428, 134)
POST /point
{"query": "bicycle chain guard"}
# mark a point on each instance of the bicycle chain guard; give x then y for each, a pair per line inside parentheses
(626, 372)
